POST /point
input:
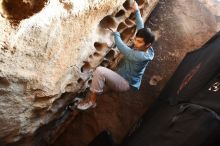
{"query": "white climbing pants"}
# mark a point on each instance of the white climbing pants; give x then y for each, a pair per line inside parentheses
(103, 76)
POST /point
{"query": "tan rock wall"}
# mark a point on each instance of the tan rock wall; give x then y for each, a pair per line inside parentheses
(48, 48)
(41, 57)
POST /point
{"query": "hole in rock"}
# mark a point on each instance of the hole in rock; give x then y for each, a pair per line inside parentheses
(120, 13)
(142, 11)
(141, 2)
(66, 5)
(129, 22)
(132, 16)
(69, 84)
(127, 5)
(107, 22)
(17, 10)
(96, 54)
(100, 46)
(90, 82)
(104, 63)
(80, 81)
(128, 33)
(86, 67)
(110, 55)
(121, 26)
(4, 82)
(90, 56)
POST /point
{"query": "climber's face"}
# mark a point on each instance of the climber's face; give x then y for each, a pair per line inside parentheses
(140, 45)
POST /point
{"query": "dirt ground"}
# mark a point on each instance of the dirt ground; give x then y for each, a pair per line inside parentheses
(180, 26)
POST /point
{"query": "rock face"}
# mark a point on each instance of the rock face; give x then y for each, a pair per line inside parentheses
(181, 26)
(51, 47)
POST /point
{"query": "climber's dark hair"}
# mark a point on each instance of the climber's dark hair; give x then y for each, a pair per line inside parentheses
(147, 34)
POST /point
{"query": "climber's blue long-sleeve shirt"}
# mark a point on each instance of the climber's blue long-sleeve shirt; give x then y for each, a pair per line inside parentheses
(134, 63)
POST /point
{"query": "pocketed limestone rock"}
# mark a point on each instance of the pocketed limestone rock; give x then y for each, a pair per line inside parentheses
(43, 46)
